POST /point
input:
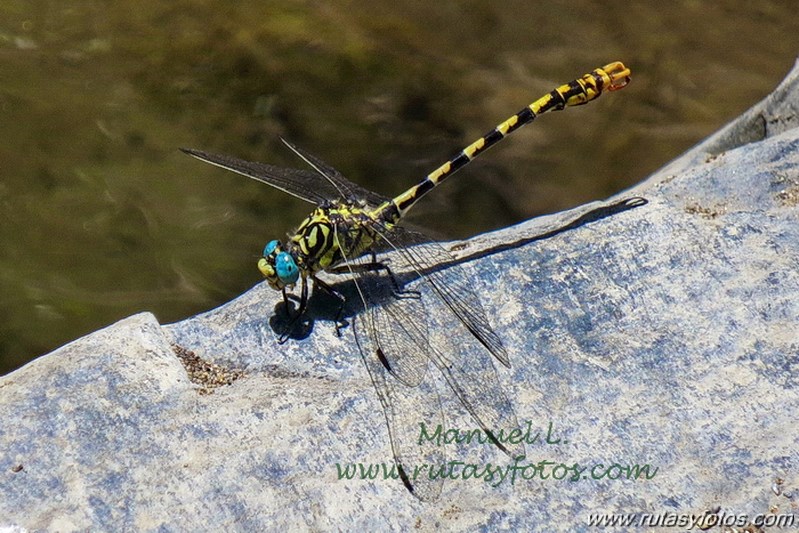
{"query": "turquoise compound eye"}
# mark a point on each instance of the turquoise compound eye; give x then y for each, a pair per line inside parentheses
(270, 247)
(286, 268)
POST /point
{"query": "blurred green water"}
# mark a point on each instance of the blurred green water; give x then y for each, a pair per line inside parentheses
(102, 217)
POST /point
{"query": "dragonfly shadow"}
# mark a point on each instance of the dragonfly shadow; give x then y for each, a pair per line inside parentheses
(588, 217)
(326, 307)
(285, 322)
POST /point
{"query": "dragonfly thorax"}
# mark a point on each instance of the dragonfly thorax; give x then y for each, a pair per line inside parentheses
(329, 236)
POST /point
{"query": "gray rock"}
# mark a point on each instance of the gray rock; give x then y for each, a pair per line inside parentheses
(661, 335)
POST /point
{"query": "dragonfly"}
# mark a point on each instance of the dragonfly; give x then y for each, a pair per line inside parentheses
(402, 290)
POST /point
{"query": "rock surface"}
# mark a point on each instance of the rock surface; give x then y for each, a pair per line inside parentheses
(664, 335)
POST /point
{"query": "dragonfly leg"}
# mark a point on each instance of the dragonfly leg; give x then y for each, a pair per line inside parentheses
(398, 291)
(286, 301)
(340, 297)
(377, 266)
(300, 311)
(303, 298)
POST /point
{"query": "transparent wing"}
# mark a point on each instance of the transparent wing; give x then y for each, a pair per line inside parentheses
(323, 184)
(461, 357)
(349, 190)
(426, 258)
(303, 184)
(394, 316)
(391, 333)
(396, 321)
(405, 408)
(470, 373)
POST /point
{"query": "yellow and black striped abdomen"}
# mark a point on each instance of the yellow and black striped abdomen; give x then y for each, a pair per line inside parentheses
(581, 91)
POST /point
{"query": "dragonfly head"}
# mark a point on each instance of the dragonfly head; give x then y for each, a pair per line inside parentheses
(278, 266)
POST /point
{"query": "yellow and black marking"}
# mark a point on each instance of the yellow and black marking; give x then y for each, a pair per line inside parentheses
(611, 77)
(331, 233)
